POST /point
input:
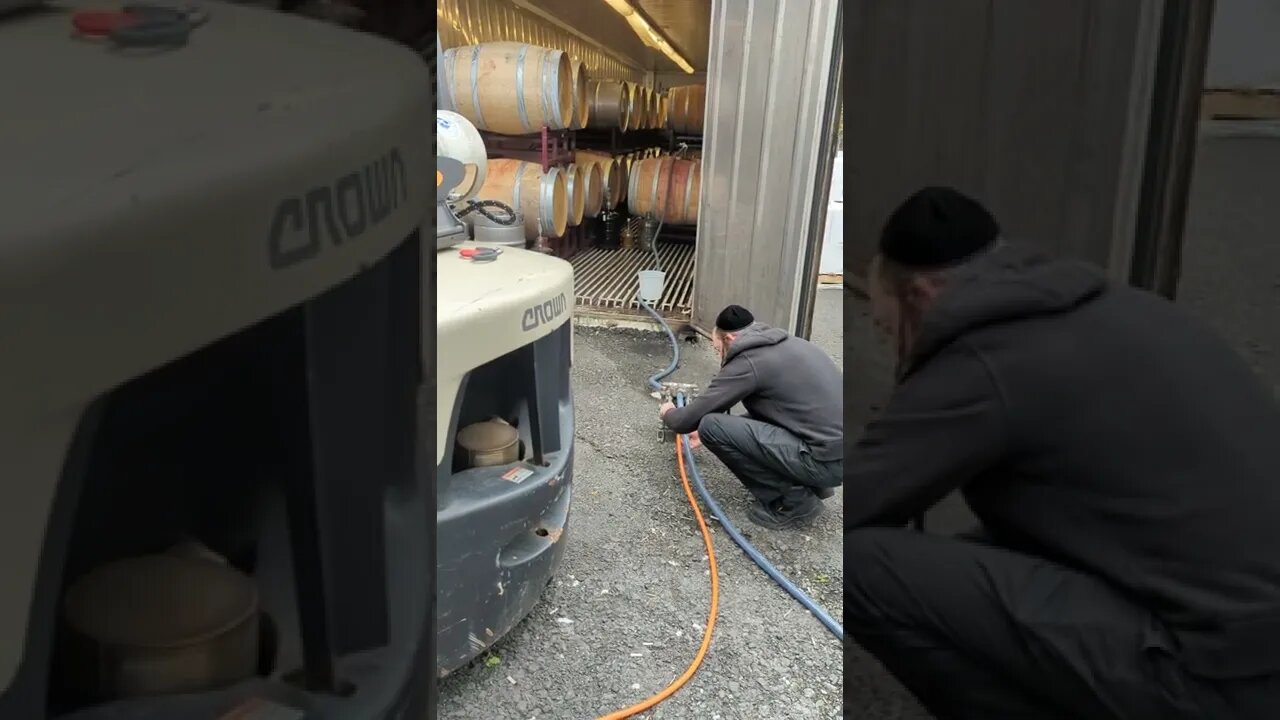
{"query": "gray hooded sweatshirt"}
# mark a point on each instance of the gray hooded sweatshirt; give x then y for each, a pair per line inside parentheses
(1101, 427)
(780, 379)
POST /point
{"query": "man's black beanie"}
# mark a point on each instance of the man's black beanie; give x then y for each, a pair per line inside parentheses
(935, 228)
(733, 318)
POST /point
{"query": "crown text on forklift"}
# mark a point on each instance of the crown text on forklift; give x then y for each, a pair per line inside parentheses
(343, 210)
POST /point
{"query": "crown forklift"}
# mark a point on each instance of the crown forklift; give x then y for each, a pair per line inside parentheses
(504, 419)
(211, 275)
(215, 469)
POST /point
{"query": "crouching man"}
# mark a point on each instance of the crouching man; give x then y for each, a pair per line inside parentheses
(787, 451)
(1124, 464)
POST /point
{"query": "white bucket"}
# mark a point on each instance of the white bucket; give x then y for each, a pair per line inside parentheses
(831, 261)
(651, 282)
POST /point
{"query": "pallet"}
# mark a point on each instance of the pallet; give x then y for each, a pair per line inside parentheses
(605, 281)
(830, 278)
(1221, 104)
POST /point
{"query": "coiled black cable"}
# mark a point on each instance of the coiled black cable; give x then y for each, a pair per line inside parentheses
(481, 206)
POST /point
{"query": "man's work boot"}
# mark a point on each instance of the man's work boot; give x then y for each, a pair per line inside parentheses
(824, 493)
(780, 516)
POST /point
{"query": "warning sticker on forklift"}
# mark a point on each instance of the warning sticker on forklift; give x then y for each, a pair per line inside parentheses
(259, 709)
(517, 475)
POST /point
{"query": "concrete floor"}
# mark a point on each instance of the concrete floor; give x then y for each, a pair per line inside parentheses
(625, 616)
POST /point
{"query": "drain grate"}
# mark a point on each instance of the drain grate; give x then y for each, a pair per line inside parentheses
(605, 279)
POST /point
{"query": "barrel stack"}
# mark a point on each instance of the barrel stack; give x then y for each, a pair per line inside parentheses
(509, 88)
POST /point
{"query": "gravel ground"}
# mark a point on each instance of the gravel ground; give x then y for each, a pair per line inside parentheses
(1231, 261)
(634, 581)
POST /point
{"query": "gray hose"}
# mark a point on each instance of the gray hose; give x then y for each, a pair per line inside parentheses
(655, 382)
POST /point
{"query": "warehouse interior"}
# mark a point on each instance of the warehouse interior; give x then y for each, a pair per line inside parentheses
(608, 247)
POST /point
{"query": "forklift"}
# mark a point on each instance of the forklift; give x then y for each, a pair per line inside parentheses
(217, 462)
(215, 455)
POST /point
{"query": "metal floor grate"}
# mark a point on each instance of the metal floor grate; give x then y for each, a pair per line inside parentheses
(605, 279)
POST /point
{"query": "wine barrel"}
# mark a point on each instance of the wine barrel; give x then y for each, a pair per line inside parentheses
(639, 108)
(626, 100)
(655, 103)
(615, 180)
(608, 102)
(626, 161)
(542, 199)
(594, 187)
(662, 112)
(635, 113)
(646, 101)
(615, 183)
(686, 108)
(666, 188)
(575, 183)
(581, 107)
(509, 88)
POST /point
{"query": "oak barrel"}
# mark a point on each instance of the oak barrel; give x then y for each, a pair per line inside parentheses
(543, 200)
(509, 88)
(614, 179)
(593, 188)
(581, 106)
(575, 183)
(640, 108)
(686, 108)
(626, 161)
(646, 101)
(666, 188)
(608, 102)
(635, 113)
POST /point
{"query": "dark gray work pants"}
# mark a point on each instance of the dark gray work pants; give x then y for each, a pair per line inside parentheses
(978, 632)
(772, 463)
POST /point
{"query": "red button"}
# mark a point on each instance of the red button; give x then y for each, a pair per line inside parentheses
(100, 23)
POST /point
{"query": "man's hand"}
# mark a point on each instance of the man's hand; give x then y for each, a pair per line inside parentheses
(694, 441)
(667, 407)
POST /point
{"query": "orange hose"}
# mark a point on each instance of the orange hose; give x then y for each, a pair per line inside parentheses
(679, 682)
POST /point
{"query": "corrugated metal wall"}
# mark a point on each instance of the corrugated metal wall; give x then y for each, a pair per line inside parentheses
(767, 157)
(469, 22)
(1244, 51)
(1038, 108)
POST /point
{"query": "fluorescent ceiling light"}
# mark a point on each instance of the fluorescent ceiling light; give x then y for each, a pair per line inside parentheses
(648, 34)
